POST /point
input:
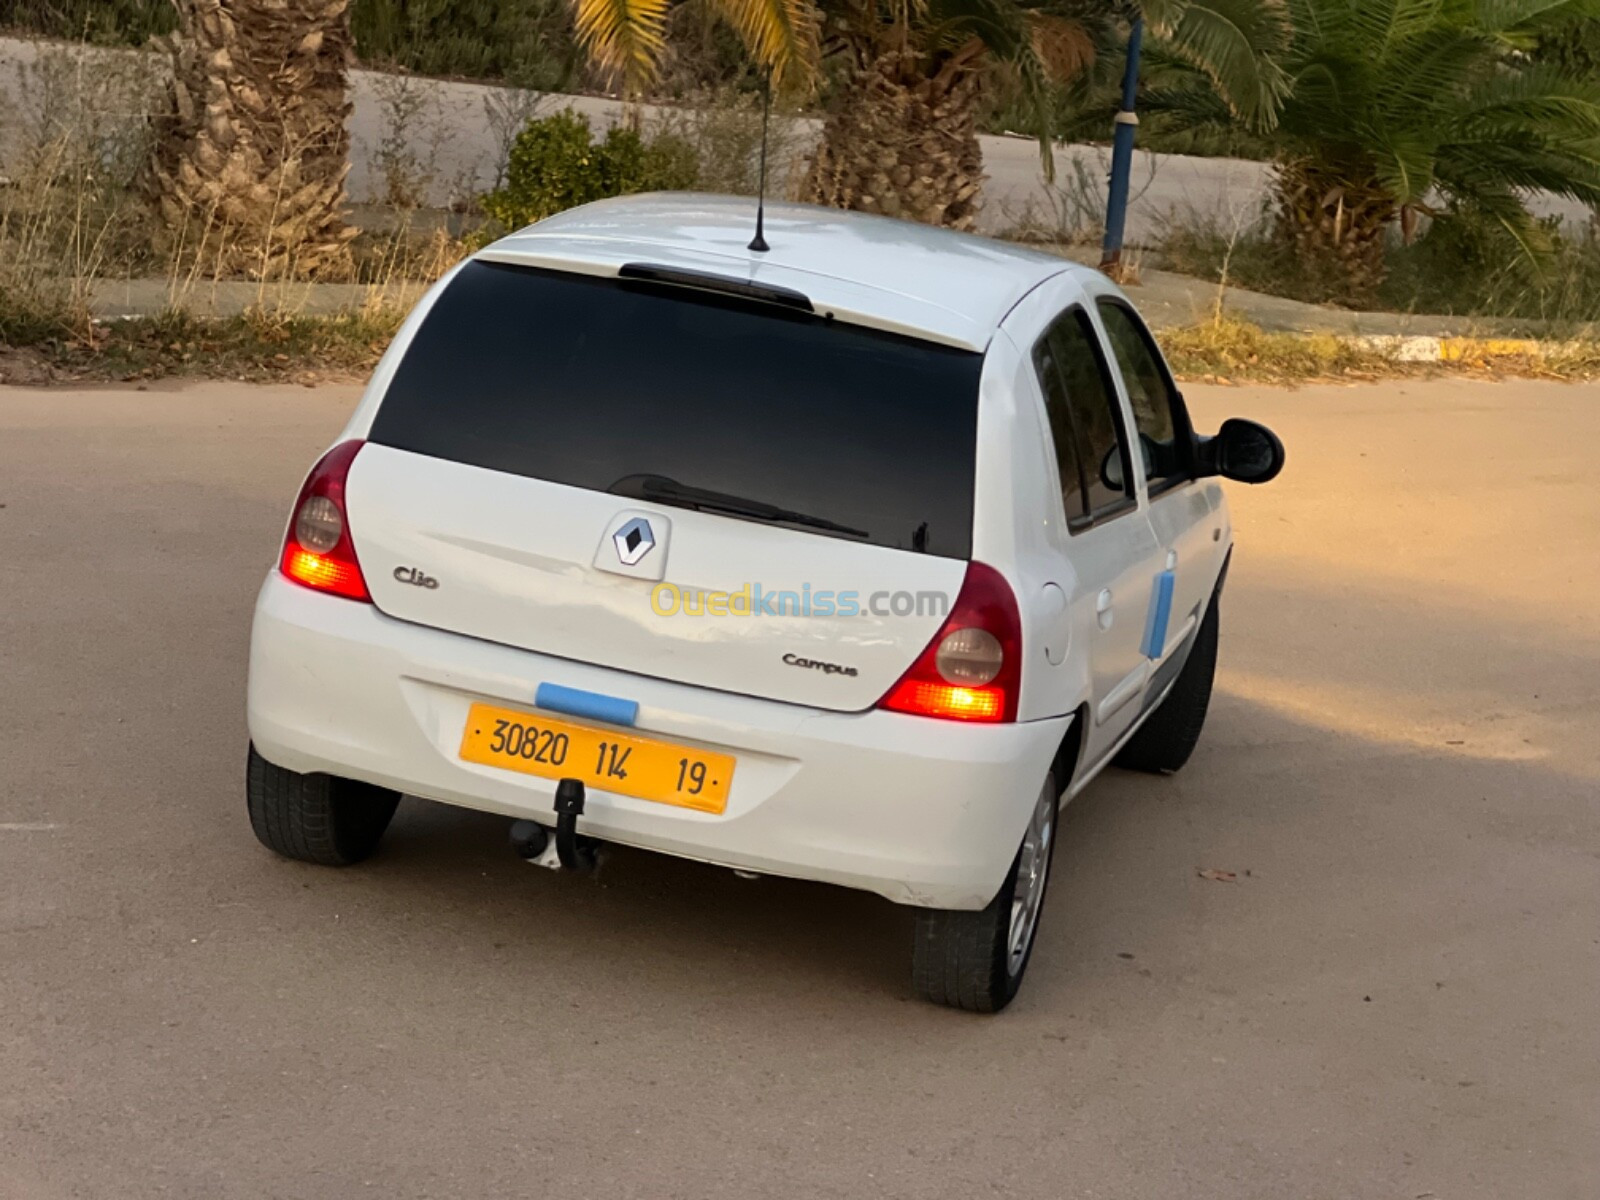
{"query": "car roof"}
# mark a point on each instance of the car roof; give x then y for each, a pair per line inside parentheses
(932, 283)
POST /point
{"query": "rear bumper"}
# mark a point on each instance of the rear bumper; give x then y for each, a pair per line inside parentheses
(922, 812)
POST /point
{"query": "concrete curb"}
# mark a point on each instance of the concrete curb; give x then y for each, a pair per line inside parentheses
(1419, 349)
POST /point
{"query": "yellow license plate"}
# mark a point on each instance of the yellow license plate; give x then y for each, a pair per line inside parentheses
(641, 767)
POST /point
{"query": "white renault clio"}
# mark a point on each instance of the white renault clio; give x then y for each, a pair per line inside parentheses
(847, 560)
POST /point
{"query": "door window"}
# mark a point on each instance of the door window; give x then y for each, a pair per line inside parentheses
(1085, 422)
(1157, 408)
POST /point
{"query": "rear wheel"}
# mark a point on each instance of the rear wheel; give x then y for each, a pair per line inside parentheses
(315, 818)
(1170, 734)
(975, 960)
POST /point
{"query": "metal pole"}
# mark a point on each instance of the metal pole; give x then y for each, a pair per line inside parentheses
(1122, 157)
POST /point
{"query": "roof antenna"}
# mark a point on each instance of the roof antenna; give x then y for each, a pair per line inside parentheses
(759, 243)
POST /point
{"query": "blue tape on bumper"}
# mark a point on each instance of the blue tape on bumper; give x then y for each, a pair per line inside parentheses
(575, 702)
(1155, 625)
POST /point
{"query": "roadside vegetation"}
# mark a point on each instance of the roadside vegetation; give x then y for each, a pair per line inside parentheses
(1413, 111)
(1228, 350)
(272, 345)
(1467, 267)
(1405, 135)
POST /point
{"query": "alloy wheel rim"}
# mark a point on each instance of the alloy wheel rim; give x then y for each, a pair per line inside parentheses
(1033, 865)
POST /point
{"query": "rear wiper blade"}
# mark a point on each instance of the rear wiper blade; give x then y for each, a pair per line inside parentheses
(681, 495)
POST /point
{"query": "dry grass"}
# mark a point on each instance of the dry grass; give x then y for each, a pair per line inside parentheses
(67, 217)
(1228, 350)
(263, 345)
(1071, 209)
(253, 346)
(74, 225)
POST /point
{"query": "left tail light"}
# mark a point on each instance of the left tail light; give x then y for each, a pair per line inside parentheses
(318, 551)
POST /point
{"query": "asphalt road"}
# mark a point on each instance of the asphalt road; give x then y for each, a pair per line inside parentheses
(1396, 999)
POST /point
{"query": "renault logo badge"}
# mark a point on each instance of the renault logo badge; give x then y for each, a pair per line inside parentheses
(633, 541)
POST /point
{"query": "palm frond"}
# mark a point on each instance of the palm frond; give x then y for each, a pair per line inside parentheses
(1426, 74)
(1034, 77)
(1064, 46)
(1323, 90)
(1524, 17)
(1234, 43)
(779, 34)
(1387, 24)
(1505, 208)
(1001, 25)
(623, 36)
(1573, 171)
(1188, 108)
(1404, 165)
(1161, 15)
(1541, 100)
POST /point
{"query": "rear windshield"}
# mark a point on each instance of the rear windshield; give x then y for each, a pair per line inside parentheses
(587, 381)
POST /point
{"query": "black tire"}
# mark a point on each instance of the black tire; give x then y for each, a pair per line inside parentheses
(963, 959)
(1169, 735)
(318, 819)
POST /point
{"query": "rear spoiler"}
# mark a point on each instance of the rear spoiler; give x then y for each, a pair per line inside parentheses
(706, 282)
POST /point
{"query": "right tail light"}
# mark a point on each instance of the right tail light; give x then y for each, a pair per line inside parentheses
(972, 669)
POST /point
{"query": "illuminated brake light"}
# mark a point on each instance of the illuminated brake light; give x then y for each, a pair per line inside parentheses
(947, 700)
(317, 550)
(972, 668)
(324, 574)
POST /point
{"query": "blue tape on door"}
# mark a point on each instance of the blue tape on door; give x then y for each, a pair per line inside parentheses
(1155, 625)
(578, 703)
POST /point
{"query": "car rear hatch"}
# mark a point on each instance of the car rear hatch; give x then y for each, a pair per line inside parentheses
(724, 490)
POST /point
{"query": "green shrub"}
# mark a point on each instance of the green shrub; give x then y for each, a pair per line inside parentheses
(1470, 264)
(556, 164)
(1464, 265)
(99, 22)
(718, 130)
(525, 42)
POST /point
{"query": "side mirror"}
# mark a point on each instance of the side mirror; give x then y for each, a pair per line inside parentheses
(1242, 451)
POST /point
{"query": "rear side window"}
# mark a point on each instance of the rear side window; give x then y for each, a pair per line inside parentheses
(1085, 424)
(586, 381)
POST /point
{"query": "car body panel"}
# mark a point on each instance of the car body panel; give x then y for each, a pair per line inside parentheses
(1104, 571)
(893, 275)
(919, 811)
(531, 564)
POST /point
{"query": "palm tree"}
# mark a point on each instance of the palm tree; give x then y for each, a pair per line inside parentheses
(251, 155)
(1401, 108)
(901, 137)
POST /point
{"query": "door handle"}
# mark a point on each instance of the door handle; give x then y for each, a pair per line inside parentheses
(1102, 608)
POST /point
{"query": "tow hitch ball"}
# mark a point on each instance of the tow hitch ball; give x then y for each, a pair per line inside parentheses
(570, 852)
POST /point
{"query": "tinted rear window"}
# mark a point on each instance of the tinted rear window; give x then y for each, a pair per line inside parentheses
(585, 381)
